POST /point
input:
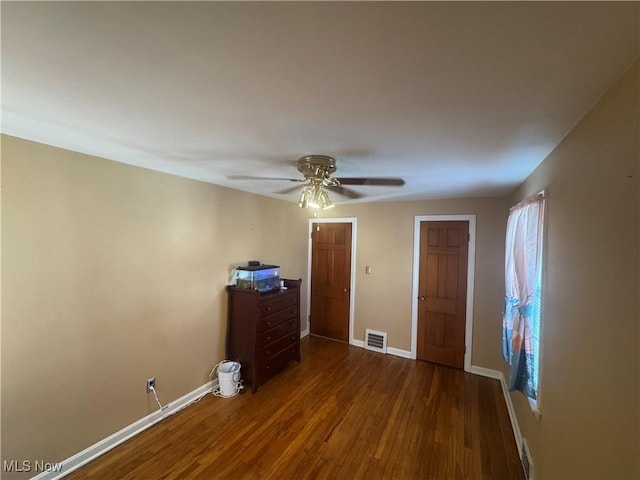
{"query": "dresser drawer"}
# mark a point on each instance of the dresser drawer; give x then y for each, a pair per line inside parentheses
(278, 361)
(269, 306)
(265, 323)
(267, 337)
(288, 340)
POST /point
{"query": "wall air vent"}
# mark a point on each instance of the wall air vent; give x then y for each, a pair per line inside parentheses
(376, 341)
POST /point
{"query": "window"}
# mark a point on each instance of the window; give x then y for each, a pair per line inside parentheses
(536, 307)
(523, 295)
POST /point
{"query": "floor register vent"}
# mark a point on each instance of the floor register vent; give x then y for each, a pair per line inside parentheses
(376, 341)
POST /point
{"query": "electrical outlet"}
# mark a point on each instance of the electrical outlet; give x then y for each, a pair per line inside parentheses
(151, 382)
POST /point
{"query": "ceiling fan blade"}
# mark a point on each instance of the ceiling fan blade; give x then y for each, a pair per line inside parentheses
(347, 192)
(383, 182)
(289, 190)
(249, 177)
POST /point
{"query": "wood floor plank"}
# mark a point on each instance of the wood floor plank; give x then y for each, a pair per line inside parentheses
(341, 413)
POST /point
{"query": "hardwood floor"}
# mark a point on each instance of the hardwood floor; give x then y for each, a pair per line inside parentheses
(341, 413)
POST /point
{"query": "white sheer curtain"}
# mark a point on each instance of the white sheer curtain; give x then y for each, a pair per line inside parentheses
(523, 270)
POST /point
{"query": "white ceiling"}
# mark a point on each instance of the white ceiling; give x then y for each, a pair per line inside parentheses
(459, 99)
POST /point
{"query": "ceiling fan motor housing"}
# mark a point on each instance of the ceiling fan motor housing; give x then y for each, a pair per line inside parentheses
(317, 167)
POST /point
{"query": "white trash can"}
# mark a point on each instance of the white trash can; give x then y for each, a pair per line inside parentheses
(228, 379)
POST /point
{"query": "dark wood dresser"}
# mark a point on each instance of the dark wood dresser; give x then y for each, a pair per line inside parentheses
(263, 331)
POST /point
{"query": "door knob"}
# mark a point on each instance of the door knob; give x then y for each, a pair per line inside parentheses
(422, 297)
(346, 290)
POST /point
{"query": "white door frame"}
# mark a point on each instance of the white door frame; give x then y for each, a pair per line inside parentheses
(354, 231)
(471, 267)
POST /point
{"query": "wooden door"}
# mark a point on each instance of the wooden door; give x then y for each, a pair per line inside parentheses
(442, 292)
(330, 280)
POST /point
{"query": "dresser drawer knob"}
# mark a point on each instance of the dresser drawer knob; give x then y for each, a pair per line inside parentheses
(268, 324)
(268, 338)
(268, 309)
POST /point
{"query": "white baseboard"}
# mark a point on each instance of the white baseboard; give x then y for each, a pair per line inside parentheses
(399, 353)
(486, 372)
(304, 333)
(512, 415)
(357, 343)
(103, 446)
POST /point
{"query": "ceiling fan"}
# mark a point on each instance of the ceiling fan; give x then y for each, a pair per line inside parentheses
(317, 170)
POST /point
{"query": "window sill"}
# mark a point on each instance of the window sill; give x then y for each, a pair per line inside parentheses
(535, 408)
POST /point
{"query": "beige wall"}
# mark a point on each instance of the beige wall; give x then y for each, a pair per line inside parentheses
(590, 368)
(385, 242)
(112, 274)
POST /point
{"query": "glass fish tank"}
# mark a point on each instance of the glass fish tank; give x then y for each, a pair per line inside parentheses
(263, 278)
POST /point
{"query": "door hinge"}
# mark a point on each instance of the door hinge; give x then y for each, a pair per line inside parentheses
(468, 237)
(465, 349)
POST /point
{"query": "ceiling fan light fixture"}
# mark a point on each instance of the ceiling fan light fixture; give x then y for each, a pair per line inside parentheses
(325, 201)
(315, 192)
(313, 196)
(304, 199)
